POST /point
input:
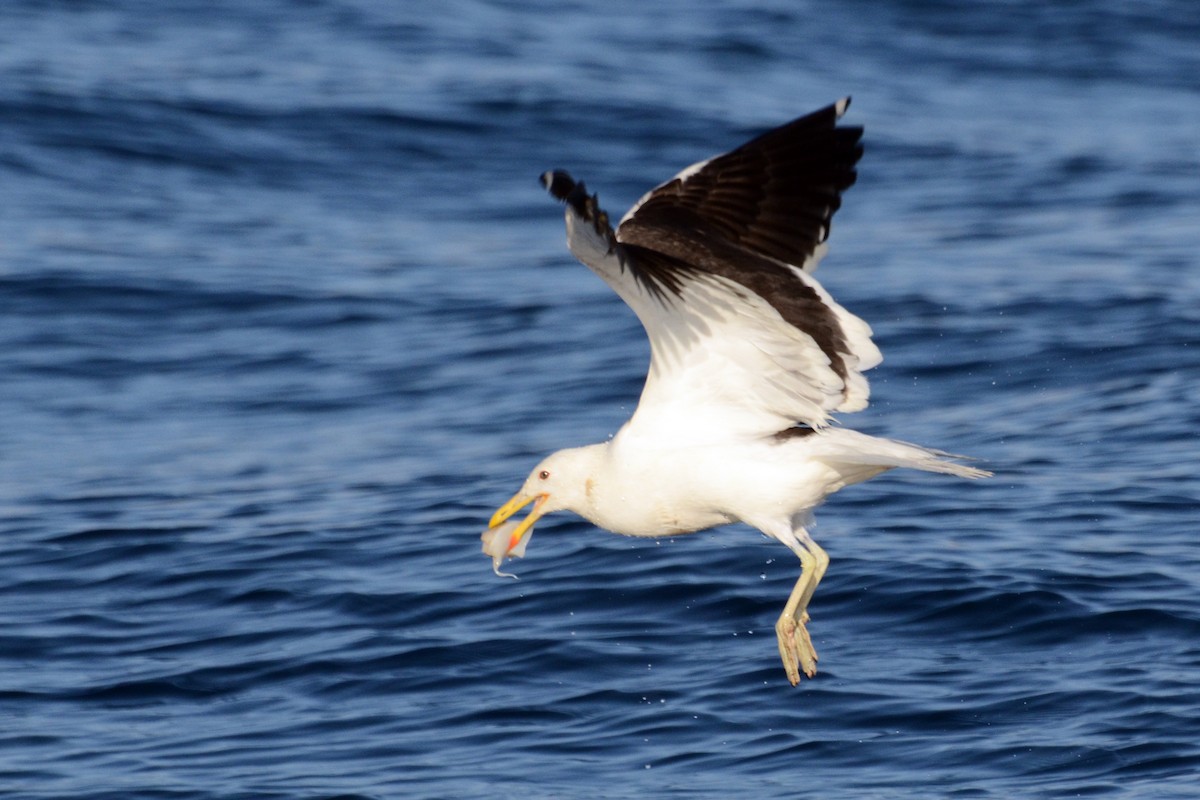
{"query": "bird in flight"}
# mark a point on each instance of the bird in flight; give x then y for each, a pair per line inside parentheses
(749, 359)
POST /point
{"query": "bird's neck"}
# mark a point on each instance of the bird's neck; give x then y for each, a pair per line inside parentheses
(621, 491)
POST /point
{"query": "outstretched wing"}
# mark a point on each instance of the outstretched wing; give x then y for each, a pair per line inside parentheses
(717, 265)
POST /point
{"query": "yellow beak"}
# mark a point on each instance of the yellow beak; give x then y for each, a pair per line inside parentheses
(514, 505)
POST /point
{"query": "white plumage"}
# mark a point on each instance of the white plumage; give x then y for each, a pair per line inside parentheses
(750, 357)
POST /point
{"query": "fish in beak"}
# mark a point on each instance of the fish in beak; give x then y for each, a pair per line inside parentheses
(506, 537)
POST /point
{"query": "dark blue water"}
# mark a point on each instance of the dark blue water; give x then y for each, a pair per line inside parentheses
(284, 315)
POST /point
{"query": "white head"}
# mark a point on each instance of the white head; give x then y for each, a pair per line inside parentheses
(560, 482)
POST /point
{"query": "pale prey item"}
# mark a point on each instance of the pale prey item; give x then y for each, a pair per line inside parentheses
(496, 542)
(750, 359)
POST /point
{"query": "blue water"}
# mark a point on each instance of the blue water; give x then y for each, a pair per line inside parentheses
(284, 315)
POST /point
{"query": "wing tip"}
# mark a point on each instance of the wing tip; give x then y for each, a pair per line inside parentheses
(565, 189)
(558, 183)
(586, 207)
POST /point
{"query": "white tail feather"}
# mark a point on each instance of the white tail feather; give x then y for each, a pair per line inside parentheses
(842, 446)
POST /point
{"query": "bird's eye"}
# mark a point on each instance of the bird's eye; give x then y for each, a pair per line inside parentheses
(544, 474)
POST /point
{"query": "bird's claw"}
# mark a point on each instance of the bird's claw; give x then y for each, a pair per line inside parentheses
(796, 647)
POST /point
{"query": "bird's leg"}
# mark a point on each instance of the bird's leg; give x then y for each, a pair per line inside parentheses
(795, 645)
(822, 563)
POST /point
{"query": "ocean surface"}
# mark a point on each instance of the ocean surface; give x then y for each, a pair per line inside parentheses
(284, 315)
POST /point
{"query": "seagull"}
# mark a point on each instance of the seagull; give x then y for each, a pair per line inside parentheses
(750, 358)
